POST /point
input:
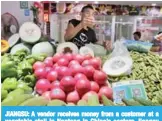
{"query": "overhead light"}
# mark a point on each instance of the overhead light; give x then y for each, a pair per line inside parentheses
(96, 2)
(121, 19)
(153, 4)
(76, 1)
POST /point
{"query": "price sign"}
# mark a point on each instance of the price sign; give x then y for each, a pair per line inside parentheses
(128, 90)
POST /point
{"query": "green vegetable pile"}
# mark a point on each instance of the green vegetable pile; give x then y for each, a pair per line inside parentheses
(17, 72)
(146, 67)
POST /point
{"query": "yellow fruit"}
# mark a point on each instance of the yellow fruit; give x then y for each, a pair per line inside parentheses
(4, 46)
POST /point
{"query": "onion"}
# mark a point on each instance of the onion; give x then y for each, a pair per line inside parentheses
(38, 64)
(83, 86)
(68, 83)
(106, 91)
(73, 97)
(100, 77)
(57, 93)
(42, 86)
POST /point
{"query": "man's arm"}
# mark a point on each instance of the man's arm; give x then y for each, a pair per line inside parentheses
(72, 31)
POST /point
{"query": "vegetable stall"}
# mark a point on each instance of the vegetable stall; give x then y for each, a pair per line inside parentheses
(37, 72)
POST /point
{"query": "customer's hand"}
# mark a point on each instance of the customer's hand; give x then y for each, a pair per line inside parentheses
(108, 45)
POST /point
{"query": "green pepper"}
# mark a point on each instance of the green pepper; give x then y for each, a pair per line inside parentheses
(21, 53)
(30, 79)
(15, 92)
(19, 56)
(40, 57)
(7, 65)
(25, 67)
(4, 94)
(6, 57)
(10, 84)
(8, 72)
(24, 86)
(31, 60)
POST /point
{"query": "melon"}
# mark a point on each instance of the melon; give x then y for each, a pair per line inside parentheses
(86, 51)
(97, 49)
(30, 32)
(20, 46)
(67, 47)
(117, 66)
(43, 48)
(13, 39)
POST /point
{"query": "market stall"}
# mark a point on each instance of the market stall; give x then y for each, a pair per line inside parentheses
(38, 71)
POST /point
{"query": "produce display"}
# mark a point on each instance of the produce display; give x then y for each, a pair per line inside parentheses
(69, 78)
(147, 67)
(33, 74)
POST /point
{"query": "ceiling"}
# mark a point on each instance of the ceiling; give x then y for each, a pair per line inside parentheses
(148, 3)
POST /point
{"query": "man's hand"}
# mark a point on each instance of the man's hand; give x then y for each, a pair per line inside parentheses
(87, 22)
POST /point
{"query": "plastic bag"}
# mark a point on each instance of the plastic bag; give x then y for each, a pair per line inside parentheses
(120, 62)
(120, 50)
(138, 46)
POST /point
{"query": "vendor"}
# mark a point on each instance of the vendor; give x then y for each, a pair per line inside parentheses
(137, 36)
(81, 32)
